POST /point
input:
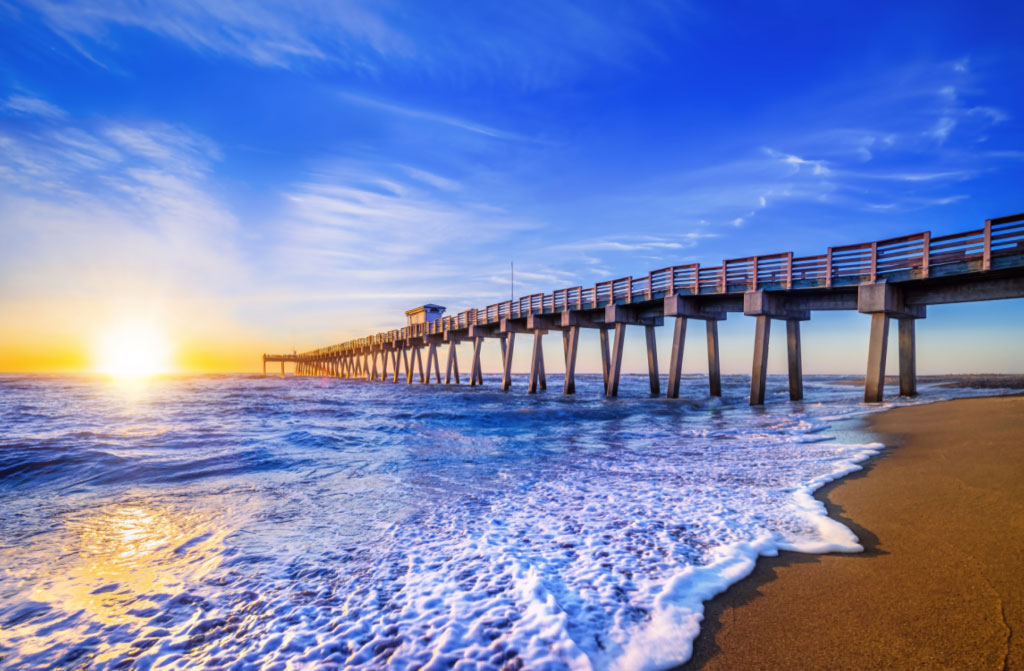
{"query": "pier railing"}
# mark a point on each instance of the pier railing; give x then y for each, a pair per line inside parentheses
(915, 256)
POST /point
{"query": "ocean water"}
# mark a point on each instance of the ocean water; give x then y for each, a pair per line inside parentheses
(234, 522)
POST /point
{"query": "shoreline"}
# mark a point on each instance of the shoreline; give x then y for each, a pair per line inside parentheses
(940, 514)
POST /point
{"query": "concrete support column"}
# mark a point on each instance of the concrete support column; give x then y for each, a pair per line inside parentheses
(796, 369)
(264, 366)
(410, 361)
(536, 361)
(605, 358)
(615, 365)
(475, 375)
(760, 369)
(437, 364)
(714, 367)
(452, 365)
(508, 344)
(652, 360)
(572, 341)
(282, 370)
(396, 361)
(908, 358)
(675, 360)
(542, 377)
(874, 381)
(419, 364)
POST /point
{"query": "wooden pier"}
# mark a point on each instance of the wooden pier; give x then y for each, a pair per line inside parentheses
(887, 279)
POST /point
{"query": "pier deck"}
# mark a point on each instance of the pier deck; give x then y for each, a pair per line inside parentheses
(888, 279)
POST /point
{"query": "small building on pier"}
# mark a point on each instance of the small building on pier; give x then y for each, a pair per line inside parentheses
(424, 313)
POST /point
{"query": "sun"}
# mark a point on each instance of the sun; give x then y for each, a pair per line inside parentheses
(133, 350)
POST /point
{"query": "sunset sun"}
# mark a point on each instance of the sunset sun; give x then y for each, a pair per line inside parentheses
(133, 350)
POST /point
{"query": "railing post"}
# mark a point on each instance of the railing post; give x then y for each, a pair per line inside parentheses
(629, 290)
(926, 243)
(672, 281)
(986, 257)
(650, 285)
(753, 286)
(828, 268)
(724, 285)
(789, 270)
(874, 262)
(696, 279)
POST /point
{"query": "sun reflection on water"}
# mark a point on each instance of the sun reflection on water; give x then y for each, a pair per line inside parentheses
(129, 556)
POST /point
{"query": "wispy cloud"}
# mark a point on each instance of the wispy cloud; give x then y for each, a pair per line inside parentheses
(133, 195)
(32, 106)
(635, 244)
(454, 122)
(565, 37)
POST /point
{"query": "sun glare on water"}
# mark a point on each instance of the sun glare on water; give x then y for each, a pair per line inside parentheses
(133, 350)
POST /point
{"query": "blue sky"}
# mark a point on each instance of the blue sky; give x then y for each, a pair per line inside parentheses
(256, 177)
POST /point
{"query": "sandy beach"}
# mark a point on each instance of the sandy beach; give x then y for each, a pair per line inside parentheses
(940, 584)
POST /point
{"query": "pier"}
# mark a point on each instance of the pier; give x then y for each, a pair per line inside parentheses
(897, 278)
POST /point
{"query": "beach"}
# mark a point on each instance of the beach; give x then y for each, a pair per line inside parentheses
(940, 584)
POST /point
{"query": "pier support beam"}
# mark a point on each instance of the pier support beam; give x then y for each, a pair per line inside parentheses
(452, 365)
(874, 381)
(884, 301)
(675, 359)
(908, 358)
(282, 370)
(759, 371)
(605, 358)
(652, 360)
(796, 368)
(437, 364)
(766, 306)
(396, 361)
(615, 364)
(571, 338)
(508, 344)
(684, 308)
(536, 362)
(714, 363)
(476, 376)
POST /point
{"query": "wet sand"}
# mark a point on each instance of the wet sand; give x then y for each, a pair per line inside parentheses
(940, 584)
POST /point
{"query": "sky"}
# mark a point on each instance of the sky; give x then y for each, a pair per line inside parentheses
(242, 178)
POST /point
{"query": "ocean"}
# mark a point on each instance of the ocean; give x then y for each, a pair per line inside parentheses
(240, 522)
